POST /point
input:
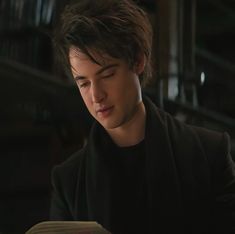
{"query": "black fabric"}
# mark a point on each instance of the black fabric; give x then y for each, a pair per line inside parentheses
(129, 204)
(109, 164)
(190, 180)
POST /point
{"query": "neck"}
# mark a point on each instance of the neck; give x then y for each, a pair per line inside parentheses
(133, 131)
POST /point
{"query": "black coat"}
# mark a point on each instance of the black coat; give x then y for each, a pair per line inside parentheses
(190, 179)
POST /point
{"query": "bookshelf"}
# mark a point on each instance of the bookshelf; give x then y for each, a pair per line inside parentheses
(25, 32)
(43, 121)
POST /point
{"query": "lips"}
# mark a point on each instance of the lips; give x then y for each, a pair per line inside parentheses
(104, 111)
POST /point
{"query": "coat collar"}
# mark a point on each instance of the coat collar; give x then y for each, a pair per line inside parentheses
(164, 188)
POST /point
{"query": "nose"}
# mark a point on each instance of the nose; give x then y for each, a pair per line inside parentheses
(97, 93)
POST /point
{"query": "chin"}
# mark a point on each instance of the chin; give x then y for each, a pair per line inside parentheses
(109, 125)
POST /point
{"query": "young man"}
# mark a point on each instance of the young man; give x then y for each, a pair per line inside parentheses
(141, 171)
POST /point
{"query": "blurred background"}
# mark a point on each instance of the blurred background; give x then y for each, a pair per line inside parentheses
(43, 119)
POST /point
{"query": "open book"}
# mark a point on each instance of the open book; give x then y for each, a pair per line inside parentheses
(67, 227)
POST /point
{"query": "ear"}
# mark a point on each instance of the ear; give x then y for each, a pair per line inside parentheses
(140, 64)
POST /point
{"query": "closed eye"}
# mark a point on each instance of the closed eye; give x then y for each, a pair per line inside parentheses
(83, 84)
(108, 75)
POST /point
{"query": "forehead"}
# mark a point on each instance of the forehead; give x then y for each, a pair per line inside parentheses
(81, 62)
(98, 58)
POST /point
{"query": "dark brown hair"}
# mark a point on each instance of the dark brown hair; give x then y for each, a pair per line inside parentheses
(118, 28)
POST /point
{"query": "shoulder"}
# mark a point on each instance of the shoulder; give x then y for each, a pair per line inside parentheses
(181, 131)
(184, 136)
(207, 153)
(73, 161)
(64, 179)
(210, 140)
(213, 145)
(66, 173)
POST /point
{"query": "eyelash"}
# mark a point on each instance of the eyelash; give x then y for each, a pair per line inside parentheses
(83, 85)
(105, 76)
(108, 75)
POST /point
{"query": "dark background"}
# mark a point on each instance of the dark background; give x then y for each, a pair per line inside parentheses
(43, 119)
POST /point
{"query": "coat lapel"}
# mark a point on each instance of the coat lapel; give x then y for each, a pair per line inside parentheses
(99, 176)
(162, 179)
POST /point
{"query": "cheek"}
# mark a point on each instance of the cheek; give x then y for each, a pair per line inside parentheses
(132, 85)
(86, 99)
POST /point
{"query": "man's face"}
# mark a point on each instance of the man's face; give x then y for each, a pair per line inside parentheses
(111, 92)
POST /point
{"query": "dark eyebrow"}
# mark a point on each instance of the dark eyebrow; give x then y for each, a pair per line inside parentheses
(98, 72)
(79, 78)
(106, 67)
